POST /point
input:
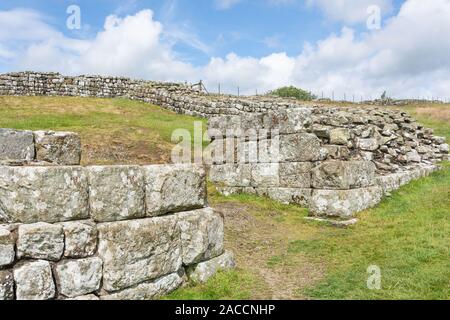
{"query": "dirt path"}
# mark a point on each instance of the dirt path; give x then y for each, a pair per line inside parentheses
(261, 247)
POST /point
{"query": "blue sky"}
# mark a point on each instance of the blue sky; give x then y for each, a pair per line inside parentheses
(322, 45)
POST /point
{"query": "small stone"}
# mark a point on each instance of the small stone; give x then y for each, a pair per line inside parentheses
(201, 235)
(80, 239)
(40, 241)
(6, 285)
(78, 277)
(444, 148)
(62, 148)
(7, 252)
(370, 144)
(340, 136)
(34, 281)
(202, 272)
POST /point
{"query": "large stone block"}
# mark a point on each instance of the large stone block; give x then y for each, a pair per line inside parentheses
(290, 195)
(6, 285)
(203, 271)
(287, 121)
(7, 252)
(231, 175)
(301, 147)
(343, 203)
(173, 188)
(266, 175)
(34, 281)
(63, 148)
(49, 194)
(116, 192)
(201, 235)
(16, 145)
(295, 174)
(40, 241)
(80, 239)
(340, 136)
(149, 290)
(78, 277)
(139, 250)
(343, 175)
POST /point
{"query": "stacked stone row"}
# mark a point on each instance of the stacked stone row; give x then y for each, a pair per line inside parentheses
(328, 159)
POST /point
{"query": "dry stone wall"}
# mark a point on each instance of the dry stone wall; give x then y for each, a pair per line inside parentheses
(100, 232)
(336, 161)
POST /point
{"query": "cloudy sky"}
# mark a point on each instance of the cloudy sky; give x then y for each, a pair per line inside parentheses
(321, 45)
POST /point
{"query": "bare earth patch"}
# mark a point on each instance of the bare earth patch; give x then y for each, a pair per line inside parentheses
(261, 247)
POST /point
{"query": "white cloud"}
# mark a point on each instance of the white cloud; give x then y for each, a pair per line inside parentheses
(410, 56)
(350, 11)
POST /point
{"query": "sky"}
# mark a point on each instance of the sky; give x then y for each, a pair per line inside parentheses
(330, 47)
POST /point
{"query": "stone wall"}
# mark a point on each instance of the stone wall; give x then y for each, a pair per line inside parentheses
(336, 161)
(101, 232)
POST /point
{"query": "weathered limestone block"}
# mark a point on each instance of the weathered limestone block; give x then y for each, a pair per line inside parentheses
(88, 297)
(344, 203)
(343, 175)
(50, 194)
(7, 252)
(288, 121)
(63, 148)
(6, 285)
(201, 235)
(203, 271)
(116, 192)
(337, 152)
(265, 175)
(231, 175)
(34, 281)
(388, 182)
(300, 147)
(295, 174)
(225, 124)
(80, 239)
(139, 250)
(172, 188)
(78, 277)
(370, 144)
(290, 195)
(16, 145)
(149, 290)
(340, 136)
(40, 241)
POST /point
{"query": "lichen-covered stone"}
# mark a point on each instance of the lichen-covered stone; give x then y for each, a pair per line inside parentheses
(88, 297)
(116, 192)
(201, 235)
(231, 175)
(7, 252)
(6, 285)
(290, 195)
(80, 239)
(265, 175)
(203, 271)
(139, 250)
(148, 290)
(370, 144)
(343, 203)
(40, 241)
(300, 147)
(172, 188)
(62, 148)
(34, 281)
(340, 136)
(49, 194)
(78, 277)
(343, 175)
(16, 145)
(295, 174)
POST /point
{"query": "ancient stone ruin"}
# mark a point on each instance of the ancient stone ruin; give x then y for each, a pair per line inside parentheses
(100, 232)
(138, 232)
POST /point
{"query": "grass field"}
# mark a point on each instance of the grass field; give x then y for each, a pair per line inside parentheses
(280, 255)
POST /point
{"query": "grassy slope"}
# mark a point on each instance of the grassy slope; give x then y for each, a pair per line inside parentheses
(112, 130)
